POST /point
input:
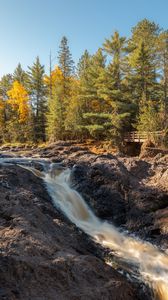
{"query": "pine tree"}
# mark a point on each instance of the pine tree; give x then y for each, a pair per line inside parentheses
(112, 87)
(143, 60)
(149, 118)
(55, 124)
(74, 112)
(66, 63)
(56, 109)
(5, 84)
(122, 87)
(84, 78)
(163, 58)
(20, 75)
(145, 31)
(89, 78)
(37, 90)
(116, 48)
(62, 121)
(2, 121)
(62, 94)
(119, 108)
(95, 120)
(83, 65)
(143, 73)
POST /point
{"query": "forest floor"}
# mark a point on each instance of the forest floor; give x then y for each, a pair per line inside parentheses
(44, 256)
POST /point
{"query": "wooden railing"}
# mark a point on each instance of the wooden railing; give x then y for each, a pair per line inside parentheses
(140, 137)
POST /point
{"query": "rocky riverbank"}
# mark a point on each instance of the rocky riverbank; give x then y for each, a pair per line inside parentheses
(128, 191)
(44, 256)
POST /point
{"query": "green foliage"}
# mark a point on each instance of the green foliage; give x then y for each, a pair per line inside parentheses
(96, 131)
(120, 88)
(73, 118)
(37, 91)
(116, 48)
(145, 31)
(5, 84)
(149, 118)
(163, 65)
(20, 75)
(144, 74)
(66, 63)
(55, 128)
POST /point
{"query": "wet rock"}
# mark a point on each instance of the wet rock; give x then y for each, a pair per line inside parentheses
(129, 192)
(42, 254)
(125, 191)
(101, 185)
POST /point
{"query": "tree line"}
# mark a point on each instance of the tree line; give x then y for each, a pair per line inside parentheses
(120, 88)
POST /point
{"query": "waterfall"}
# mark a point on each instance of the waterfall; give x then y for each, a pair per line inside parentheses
(152, 263)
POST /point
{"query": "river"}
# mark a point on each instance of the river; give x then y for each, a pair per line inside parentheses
(150, 261)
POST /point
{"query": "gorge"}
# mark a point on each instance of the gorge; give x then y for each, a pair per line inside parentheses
(116, 179)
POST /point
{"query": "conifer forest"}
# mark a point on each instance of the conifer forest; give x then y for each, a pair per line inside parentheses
(123, 87)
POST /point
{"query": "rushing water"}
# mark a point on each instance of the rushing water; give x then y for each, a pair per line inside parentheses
(152, 263)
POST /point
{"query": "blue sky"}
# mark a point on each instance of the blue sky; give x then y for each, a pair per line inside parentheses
(32, 27)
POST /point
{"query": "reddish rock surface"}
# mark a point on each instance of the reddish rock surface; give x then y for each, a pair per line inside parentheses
(42, 255)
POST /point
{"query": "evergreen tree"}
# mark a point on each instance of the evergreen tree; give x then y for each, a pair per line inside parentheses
(104, 99)
(5, 110)
(56, 110)
(92, 104)
(112, 86)
(62, 121)
(116, 48)
(143, 73)
(66, 63)
(83, 65)
(149, 118)
(20, 75)
(74, 112)
(55, 128)
(163, 58)
(89, 78)
(66, 66)
(37, 90)
(143, 60)
(2, 121)
(118, 105)
(5, 84)
(147, 32)
(84, 78)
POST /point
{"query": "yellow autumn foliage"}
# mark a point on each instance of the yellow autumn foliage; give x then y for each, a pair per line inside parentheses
(1, 104)
(2, 108)
(18, 99)
(55, 78)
